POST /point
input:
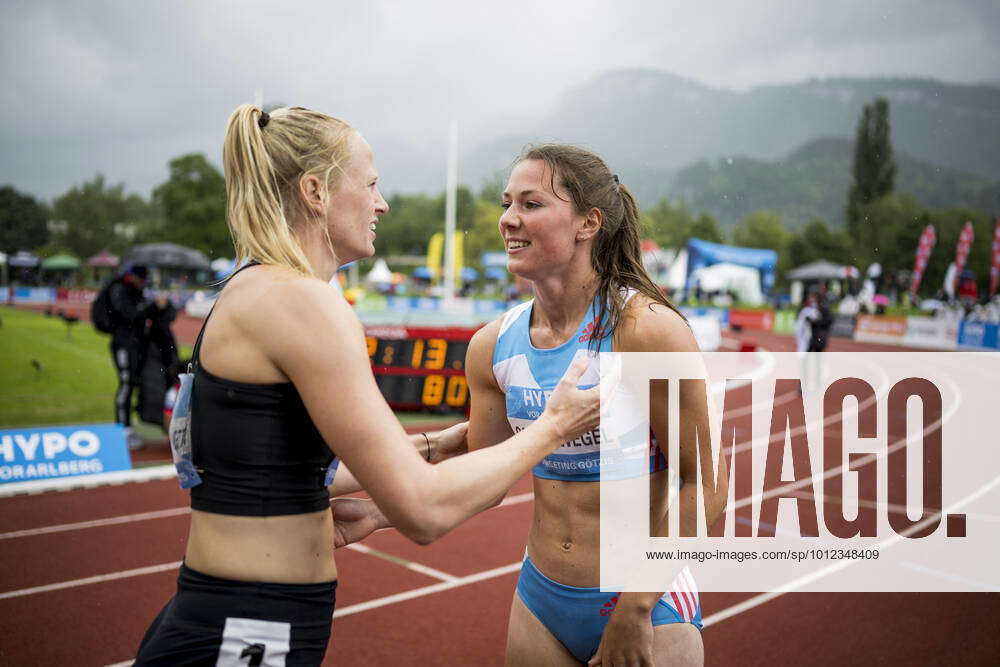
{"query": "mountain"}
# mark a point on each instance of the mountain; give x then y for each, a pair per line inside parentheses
(812, 182)
(650, 124)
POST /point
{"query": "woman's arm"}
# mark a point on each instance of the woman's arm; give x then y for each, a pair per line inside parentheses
(313, 336)
(434, 446)
(655, 328)
(488, 423)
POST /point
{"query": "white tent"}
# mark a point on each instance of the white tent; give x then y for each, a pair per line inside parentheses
(724, 277)
(380, 274)
(675, 276)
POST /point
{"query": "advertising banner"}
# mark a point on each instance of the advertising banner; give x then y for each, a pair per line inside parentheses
(962, 250)
(28, 454)
(880, 329)
(760, 320)
(927, 240)
(938, 333)
(980, 335)
(995, 263)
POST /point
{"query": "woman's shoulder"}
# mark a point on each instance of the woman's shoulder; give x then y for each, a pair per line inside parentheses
(648, 325)
(273, 298)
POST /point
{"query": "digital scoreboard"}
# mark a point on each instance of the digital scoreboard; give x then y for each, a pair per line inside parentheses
(420, 368)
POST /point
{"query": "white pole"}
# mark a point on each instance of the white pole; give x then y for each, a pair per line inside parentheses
(448, 288)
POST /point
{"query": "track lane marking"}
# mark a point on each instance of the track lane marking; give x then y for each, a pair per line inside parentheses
(96, 523)
(428, 590)
(100, 578)
(161, 514)
(408, 564)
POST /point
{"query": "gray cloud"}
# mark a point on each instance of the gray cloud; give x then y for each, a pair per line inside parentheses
(123, 87)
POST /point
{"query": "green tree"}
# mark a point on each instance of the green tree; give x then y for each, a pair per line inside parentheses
(192, 203)
(763, 229)
(874, 166)
(668, 224)
(485, 232)
(412, 219)
(96, 216)
(23, 221)
(817, 241)
(706, 229)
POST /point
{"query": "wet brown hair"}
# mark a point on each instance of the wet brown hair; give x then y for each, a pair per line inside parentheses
(615, 253)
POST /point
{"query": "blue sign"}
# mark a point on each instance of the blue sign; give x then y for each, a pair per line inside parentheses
(34, 295)
(979, 335)
(28, 454)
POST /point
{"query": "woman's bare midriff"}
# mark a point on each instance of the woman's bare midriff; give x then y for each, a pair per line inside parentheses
(292, 549)
(565, 538)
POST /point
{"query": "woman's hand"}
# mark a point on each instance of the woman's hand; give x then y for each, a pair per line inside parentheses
(354, 519)
(571, 411)
(449, 442)
(627, 639)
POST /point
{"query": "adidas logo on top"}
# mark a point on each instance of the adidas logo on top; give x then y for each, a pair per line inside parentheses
(588, 331)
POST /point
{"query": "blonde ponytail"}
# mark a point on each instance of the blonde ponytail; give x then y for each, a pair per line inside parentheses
(264, 161)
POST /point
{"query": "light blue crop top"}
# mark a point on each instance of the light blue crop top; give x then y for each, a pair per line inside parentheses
(528, 375)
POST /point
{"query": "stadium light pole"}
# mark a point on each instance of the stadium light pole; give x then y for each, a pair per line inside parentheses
(448, 288)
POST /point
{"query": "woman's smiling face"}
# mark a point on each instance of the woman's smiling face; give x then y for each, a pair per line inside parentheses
(539, 224)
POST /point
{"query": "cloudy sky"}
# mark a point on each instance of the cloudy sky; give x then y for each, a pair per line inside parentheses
(122, 87)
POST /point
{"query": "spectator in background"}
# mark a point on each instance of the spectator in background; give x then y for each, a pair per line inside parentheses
(804, 322)
(820, 335)
(129, 313)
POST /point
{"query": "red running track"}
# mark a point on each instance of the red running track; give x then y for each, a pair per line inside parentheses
(101, 622)
(85, 595)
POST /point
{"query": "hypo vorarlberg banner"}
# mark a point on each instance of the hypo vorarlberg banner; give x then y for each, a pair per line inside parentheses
(28, 454)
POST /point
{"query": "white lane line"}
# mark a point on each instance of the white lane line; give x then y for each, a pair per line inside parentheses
(515, 500)
(408, 564)
(427, 590)
(96, 523)
(840, 565)
(124, 574)
(162, 514)
(146, 474)
(431, 572)
(949, 576)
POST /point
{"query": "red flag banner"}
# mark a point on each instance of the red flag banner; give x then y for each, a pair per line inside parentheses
(962, 252)
(927, 240)
(995, 264)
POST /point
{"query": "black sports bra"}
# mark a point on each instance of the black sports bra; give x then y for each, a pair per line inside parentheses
(255, 447)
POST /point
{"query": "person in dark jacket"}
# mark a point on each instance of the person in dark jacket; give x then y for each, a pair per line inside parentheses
(821, 326)
(129, 312)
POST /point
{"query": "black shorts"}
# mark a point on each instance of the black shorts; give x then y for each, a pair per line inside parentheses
(213, 621)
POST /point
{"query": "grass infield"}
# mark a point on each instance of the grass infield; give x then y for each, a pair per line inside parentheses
(53, 376)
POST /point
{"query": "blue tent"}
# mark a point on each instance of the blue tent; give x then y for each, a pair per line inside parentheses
(704, 253)
(495, 273)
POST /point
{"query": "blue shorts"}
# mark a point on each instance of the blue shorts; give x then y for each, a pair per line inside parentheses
(577, 616)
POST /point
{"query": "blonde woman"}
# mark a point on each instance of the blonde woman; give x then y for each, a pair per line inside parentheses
(283, 391)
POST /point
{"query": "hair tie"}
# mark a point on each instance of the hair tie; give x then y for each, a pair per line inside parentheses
(263, 120)
(615, 176)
